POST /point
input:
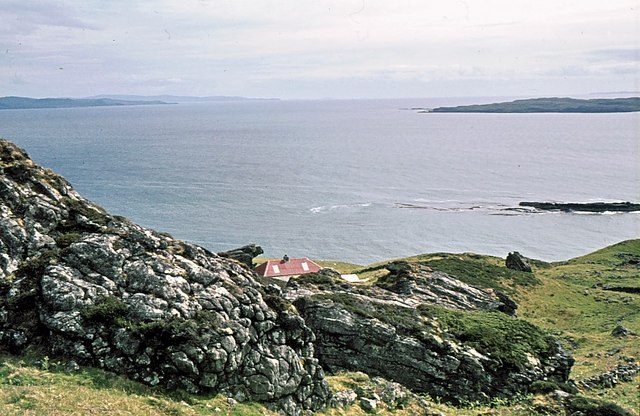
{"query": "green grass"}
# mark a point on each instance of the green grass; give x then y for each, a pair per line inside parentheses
(25, 389)
(582, 316)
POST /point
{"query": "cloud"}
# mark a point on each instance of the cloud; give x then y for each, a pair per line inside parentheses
(246, 46)
(615, 55)
(23, 17)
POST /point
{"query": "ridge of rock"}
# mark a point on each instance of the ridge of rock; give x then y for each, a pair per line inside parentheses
(427, 331)
(101, 290)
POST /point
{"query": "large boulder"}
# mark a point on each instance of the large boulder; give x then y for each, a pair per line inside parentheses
(103, 291)
(516, 261)
(244, 254)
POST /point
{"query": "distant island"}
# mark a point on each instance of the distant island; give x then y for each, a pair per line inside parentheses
(182, 98)
(14, 103)
(548, 105)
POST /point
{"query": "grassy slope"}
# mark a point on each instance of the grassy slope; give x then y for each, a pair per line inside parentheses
(583, 317)
(560, 299)
(27, 389)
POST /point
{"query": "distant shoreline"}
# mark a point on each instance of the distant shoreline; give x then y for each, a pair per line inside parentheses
(547, 105)
(24, 103)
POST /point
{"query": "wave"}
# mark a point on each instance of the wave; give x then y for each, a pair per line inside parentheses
(329, 208)
(459, 206)
(502, 208)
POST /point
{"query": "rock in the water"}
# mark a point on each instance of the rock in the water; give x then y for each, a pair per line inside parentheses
(584, 206)
(102, 291)
(516, 261)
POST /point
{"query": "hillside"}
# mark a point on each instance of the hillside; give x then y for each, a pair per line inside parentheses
(100, 315)
(561, 299)
(550, 105)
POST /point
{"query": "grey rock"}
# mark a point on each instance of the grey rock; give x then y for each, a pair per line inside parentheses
(611, 378)
(561, 395)
(417, 283)
(516, 261)
(621, 332)
(368, 405)
(244, 254)
(103, 291)
(71, 366)
(344, 398)
(394, 395)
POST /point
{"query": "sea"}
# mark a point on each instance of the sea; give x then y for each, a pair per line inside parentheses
(359, 181)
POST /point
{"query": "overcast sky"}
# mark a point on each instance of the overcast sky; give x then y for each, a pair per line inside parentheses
(319, 49)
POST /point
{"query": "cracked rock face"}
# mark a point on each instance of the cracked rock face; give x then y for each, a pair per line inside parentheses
(428, 331)
(106, 292)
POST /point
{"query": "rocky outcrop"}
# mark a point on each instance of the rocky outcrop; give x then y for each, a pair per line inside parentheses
(377, 393)
(244, 254)
(516, 261)
(103, 291)
(428, 331)
(417, 284)
(609, 379)
(621, 332)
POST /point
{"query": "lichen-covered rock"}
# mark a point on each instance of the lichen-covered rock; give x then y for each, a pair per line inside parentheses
(621, 373)
(417, 283)
(428, 331)
(103, 291)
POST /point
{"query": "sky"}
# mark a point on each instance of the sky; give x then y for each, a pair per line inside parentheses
(307, 49)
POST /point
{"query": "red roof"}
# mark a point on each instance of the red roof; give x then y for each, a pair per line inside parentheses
(293, 267)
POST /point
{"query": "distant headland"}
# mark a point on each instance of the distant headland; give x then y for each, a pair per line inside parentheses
(182, 98)
(548, 105)
(15, 103)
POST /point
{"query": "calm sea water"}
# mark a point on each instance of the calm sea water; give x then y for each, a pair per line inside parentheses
(334, 179)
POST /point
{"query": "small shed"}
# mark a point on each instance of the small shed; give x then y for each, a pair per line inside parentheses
(286, 268)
